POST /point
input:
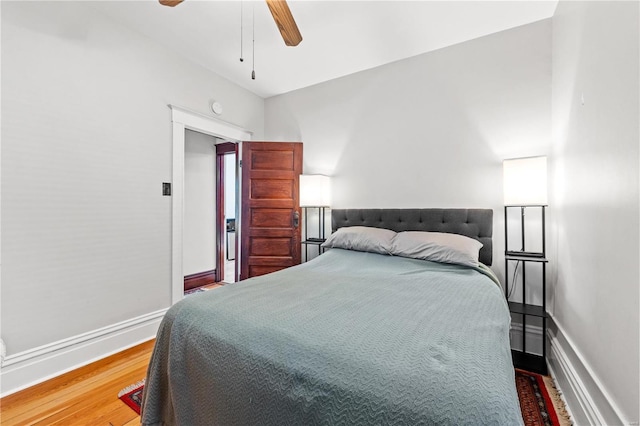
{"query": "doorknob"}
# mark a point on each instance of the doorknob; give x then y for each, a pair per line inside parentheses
(296, 219)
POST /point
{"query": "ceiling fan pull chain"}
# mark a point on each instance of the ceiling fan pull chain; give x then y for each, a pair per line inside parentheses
(241, 26)
(253, 19)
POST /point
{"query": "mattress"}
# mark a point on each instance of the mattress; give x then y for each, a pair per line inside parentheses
(349, 338)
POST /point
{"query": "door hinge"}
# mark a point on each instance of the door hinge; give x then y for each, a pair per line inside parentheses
(240, 163)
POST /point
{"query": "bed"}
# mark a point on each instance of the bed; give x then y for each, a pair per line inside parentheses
(348, 338)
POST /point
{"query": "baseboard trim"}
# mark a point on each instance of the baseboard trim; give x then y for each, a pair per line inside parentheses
(25, 369)
(199, 279)
(587, 400)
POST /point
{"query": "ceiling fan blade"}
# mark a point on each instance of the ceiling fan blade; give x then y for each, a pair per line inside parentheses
(285, 22)
(281, 15)
(170, 2)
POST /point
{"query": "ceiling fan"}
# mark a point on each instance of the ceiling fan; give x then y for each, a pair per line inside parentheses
(281, 15)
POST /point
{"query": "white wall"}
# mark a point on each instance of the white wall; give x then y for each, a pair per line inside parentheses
(595, 203)
(86, 141)
(199, 233)
(429, 131)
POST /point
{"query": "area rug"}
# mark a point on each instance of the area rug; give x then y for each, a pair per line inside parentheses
(132, 395)
(540, 401)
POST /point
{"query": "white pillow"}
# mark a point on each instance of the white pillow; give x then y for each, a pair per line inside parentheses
(437, 246)
(361, 238)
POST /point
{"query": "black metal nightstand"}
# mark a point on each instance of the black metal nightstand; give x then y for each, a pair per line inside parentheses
(314, 241)
(524, 358)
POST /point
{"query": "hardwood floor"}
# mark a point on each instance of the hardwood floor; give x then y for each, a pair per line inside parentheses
(86, 396)
(82, 397)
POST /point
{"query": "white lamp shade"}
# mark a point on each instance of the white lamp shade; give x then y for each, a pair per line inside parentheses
(525, 181)
(315, 191)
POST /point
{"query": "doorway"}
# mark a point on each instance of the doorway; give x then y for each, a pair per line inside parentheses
(227, 192)
(199, 237)
(183, 119)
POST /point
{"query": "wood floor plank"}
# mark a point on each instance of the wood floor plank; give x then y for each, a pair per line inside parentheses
(85, 396)
(134, 422)
(78, 405)
(109, 380)
(88, 395)
(113, 414)
(69, 382)
(78, 375)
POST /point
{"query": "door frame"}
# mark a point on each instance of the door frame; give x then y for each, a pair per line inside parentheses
(222, 150)
(183, 119)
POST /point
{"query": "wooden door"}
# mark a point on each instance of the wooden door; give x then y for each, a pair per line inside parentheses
(270, 220)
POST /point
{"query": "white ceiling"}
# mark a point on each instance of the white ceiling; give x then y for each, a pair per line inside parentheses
(339, 37)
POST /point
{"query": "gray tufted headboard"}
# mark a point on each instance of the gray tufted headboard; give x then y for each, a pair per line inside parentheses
(474, 223)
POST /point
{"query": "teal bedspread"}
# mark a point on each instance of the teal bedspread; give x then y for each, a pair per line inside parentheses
(349, 338)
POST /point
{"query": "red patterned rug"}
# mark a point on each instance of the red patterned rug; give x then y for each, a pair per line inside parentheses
(540, 401)
(132, 395)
